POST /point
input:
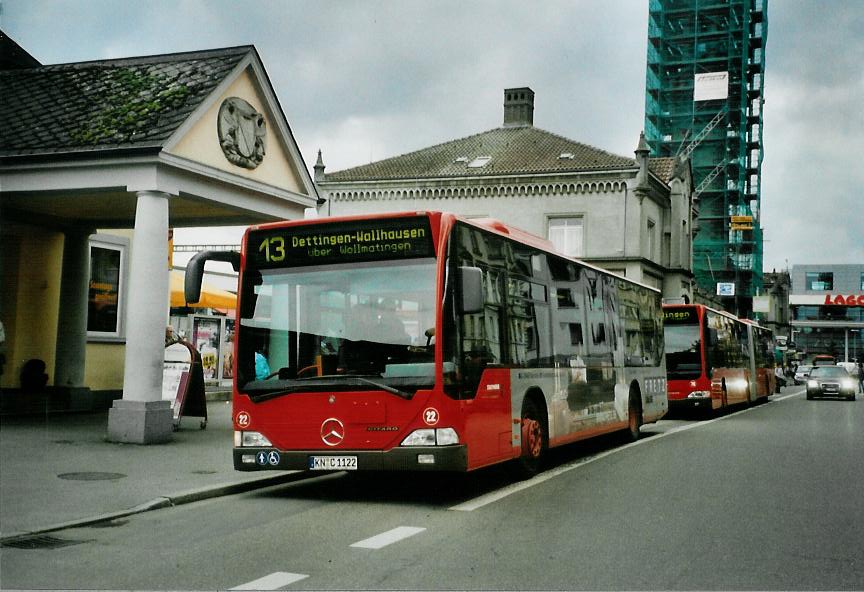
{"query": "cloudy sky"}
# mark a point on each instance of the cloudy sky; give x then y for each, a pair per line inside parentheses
(365, 80)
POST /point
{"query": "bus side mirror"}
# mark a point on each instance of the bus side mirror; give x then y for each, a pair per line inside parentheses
(470, 290)
(195, 271)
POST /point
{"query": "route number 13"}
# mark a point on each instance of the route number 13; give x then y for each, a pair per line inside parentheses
(273, 248)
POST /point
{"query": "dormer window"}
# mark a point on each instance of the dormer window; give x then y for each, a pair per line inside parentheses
(566, 156)
(479, 162)
(461, 159)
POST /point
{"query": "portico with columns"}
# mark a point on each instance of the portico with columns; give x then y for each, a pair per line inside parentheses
(210, 147)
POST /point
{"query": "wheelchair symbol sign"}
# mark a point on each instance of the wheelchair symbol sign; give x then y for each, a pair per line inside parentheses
(264, 458)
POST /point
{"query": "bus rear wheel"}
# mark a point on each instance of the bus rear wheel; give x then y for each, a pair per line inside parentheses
(634, 416)
(533, 441)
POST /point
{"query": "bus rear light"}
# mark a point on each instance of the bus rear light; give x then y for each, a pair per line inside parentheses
(249, 439)
(699, 395)
(431, 437)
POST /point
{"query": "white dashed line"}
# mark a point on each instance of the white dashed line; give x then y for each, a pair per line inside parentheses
(274, 581)
(389, 537)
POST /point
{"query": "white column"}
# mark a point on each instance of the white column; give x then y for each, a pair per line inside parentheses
(141, 416)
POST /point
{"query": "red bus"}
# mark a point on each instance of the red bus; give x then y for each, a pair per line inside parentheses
(424, 341)
(714, 359)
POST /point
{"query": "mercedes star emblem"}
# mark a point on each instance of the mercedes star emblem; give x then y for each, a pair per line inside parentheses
(332, 431)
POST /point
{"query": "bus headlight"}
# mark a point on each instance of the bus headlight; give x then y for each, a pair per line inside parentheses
(250, 439)
(446, 436)
(431, 437)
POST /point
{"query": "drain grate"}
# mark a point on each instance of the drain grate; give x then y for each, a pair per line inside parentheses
(38, 541)
(91, 476)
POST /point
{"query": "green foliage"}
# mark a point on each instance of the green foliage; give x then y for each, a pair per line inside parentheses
(133, 103)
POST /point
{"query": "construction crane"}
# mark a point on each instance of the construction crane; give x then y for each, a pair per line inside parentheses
(686, 152)
(708, 178)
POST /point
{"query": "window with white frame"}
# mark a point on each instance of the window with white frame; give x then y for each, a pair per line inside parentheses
(106, 287)
(567, 235)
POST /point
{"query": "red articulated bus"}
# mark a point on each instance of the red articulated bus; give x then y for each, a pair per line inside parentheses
(714, 359)
(424, 341)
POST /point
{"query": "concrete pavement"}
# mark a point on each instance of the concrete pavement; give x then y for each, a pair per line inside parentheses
(59, 470)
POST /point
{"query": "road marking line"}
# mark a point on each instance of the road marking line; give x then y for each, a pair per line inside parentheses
(274, 581)
(494, 496)
(389, 537)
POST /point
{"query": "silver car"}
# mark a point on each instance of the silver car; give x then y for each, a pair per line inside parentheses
(830, 381)
(801, 373)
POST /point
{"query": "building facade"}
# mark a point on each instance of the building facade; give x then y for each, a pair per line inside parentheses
(703, 98)
(632, 216)
(827, 311)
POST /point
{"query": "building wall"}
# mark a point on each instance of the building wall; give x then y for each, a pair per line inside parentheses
(615, 220)
(601, 208)
(31, 259)
(103, 369)
(847, 278)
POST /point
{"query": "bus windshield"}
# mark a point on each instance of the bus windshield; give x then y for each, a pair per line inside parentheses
(357, 326)
(683, 351)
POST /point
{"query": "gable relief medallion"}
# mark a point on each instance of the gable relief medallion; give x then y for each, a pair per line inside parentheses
(242, 133)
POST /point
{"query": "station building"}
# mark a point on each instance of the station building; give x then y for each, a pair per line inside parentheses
(827, 311)
(98, 161)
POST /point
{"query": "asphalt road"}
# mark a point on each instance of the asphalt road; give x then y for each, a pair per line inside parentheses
(766, 498)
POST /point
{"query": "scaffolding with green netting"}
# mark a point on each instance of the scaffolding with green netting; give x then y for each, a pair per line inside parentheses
(703, 99)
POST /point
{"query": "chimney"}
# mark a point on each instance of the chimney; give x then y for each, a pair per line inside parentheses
(518, 107)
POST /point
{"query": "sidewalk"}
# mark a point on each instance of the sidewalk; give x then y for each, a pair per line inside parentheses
(59, 469)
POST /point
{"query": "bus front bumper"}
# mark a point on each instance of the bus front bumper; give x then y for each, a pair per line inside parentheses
(690, 404)
(408, 458)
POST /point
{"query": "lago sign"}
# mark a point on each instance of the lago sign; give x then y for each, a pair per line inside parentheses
(841, 300)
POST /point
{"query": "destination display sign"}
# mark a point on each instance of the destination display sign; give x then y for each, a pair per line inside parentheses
(682, 316)
(341, 242)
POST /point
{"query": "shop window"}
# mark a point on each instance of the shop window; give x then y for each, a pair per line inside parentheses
(106, 287)
(819, 280)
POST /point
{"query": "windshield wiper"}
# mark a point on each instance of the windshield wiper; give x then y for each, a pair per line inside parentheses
(386, 387)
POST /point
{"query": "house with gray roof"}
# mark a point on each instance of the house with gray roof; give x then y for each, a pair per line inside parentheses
(98, 160)
(632, 216)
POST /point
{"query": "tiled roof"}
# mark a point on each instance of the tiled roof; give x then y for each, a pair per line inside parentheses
(106, 104)
(511, 150)
(663, 168)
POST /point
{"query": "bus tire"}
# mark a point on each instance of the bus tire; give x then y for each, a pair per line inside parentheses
(534, 440)
(634, 415)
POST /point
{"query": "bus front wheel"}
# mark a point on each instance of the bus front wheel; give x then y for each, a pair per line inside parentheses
(533, 441)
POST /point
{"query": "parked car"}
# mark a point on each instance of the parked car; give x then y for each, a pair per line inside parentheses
(831, 381)
(801, 373)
